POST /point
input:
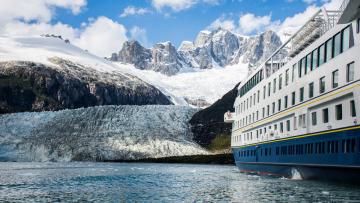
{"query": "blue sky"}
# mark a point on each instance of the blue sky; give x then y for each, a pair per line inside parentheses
(176, 26)
(102, 26)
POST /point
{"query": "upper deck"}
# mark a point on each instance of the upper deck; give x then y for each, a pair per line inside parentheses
(321, 22)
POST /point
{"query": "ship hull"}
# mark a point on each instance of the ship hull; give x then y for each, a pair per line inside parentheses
(329, 155)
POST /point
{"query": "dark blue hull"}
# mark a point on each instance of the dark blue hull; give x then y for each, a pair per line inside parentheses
(329, 155)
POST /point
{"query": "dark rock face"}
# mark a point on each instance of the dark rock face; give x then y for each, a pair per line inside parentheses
(28, 86)
(162, 58)
(208, 123)
(133, 53)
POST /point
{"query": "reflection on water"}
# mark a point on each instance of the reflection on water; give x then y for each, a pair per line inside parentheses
(129, 182)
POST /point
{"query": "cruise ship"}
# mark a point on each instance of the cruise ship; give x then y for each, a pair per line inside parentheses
(298, 113)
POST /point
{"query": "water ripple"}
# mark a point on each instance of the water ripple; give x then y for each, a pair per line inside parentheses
(137, 182)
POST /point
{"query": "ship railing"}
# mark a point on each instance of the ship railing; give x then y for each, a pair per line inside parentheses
(342, 8)
(322, 21)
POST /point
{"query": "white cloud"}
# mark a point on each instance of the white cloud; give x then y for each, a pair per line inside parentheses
(175, 5)
(249, 23)
(102, 37)
(40, 10)
(131, 10)
(178, 5)
(139, 34)
(221, 22)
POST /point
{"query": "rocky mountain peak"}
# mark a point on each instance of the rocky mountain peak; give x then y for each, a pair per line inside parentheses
(210, 49)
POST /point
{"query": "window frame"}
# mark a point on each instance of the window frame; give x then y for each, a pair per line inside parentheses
(352, 64)
(301, 94)
(325, 114)
(335, 75)
(322, 88)
(311, 90)
(313, 118)
(338, 112)
(352, 108)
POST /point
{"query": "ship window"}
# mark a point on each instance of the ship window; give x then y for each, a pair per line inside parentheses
(352, 108)
(303, 65)
(315, 58)
(281, 127)
(346, 39)
(293, 99)
(335, 78)
(338, 110)
(322, 85)
(303, 121)
(263, 112)
(295, 126)
(285, 101)
(260, 131)
(287, 77)
(269, 89)
(308, 63)
(254, 98)
(313, 118)
(279, 105)
(280, 81)
(350, 72)
(288, 125)
(301, 94)
(358, 25)
(311, 90)
(293, 73)
(258, 96)
(337, 44)
(250, 100)
(321, 54)
(325, 115)
(274, 85)
(329, 50)
(273, 107)
(268, 110)
(265, 130)
(257, 115)
(264, 93)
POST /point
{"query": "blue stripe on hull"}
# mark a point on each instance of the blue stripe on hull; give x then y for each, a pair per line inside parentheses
(331, 156)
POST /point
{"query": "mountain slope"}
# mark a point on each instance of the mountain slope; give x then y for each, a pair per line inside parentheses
(45, 73)
(208, 123)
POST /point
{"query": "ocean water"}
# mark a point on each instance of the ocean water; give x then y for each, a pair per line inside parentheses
(140, 182)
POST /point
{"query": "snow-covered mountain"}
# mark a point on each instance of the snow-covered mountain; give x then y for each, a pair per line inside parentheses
(218, 48)
(98, 134)
(47, 73)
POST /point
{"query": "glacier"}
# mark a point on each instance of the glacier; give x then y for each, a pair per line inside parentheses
(102, 133)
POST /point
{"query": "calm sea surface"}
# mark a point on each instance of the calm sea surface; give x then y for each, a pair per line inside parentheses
(136, 182)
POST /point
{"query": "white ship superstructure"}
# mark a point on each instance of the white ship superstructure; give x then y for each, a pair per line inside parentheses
(310, 86)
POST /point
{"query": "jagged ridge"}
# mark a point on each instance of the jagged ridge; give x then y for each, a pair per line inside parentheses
(210, 49)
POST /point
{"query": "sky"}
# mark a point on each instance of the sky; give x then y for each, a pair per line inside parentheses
(102, 26)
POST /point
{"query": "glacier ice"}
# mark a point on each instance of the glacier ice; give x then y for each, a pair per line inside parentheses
(102, 133)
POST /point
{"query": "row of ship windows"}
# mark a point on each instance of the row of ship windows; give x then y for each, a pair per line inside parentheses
(337, 44)
(329, 147)
(331, 48)
(301, 121)
(350, 71)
